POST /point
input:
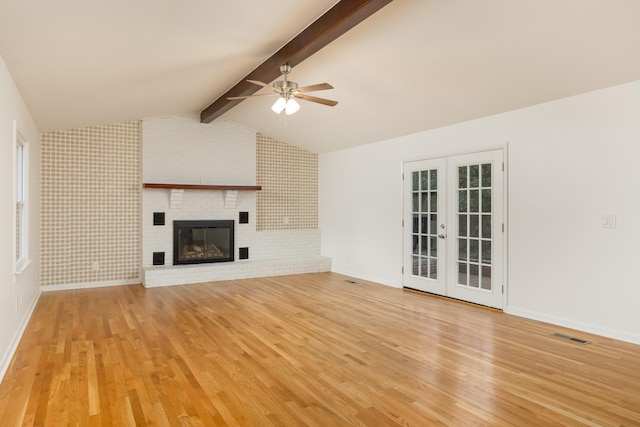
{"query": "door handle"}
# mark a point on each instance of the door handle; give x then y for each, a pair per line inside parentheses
(442, 236)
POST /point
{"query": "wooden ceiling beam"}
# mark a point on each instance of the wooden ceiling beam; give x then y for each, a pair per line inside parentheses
(345, 15)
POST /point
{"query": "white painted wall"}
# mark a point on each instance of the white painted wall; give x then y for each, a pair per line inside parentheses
(18, 293)
(569, 162)
(181, 150)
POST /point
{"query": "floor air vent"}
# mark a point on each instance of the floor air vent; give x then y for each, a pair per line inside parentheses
(568, 338)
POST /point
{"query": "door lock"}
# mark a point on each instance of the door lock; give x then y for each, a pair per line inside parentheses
(442, 236)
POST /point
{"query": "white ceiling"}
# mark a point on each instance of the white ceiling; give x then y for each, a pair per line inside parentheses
(412, 66)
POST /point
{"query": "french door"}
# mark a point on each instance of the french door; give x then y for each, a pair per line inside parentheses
(453, 227)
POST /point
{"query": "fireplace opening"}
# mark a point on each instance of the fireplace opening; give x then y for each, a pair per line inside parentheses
(196, 242)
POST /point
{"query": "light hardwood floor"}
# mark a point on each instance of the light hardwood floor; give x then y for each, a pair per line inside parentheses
(306, 350)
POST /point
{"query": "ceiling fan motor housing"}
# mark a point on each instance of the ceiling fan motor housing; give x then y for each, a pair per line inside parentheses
(285, 85)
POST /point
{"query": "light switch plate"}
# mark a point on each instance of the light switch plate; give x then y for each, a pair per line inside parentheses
(608, 221)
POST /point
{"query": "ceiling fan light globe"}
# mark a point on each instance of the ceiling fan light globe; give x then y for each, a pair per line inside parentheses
(279, 105)
(292, 107)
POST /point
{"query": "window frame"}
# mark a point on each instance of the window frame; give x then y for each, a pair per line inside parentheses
(21, 199)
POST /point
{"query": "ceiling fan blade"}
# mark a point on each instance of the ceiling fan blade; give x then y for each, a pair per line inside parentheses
(232, 98)
(322, 101)
(259, 83)
(311, 88)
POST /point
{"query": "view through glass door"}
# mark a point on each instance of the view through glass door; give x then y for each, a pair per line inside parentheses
(453, 232)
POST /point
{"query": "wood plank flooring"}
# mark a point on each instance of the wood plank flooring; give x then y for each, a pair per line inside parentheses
(303, 350)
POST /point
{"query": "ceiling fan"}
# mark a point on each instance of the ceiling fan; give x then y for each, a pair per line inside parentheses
(287, 91)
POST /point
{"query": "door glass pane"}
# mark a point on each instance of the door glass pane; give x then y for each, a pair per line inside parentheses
(462, 249)
(424, 266)
(415, 181)
(474, 227)
(474, 276)
(462, 177)
(433, 246)
(424, 224)
(486, 278)
(424, 206)
(474, 176)
(415, 224)
(474, 250)
(486, 252)
(486, 175)
(415, 262)
(433, 224)
(462, 201)
(416, 203)
(424, 177)
(434, 201)
(433, 180)
(486, 200)
(462, 225)
(486, 226)
(416, 244)
(423, 246)
(433, 269)
(462, 273)
(474, 200)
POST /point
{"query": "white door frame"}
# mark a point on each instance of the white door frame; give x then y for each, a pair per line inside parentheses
(504, 226)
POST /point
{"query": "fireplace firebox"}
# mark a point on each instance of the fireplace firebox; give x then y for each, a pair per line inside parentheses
(196, 242)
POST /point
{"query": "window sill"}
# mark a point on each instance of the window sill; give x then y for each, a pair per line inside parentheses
(21, 266)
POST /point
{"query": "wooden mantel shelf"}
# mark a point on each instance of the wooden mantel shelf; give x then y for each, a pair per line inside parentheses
(205, 187)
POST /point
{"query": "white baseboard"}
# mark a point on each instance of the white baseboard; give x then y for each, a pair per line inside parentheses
(573, 324)
(367, 278)
(88, 285)
(6, 358)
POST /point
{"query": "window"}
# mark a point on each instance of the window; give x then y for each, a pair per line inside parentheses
(21, 230)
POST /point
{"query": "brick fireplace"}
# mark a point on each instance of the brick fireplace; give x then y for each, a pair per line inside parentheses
(217, 164)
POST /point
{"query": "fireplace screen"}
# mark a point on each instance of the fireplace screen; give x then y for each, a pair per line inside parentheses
(197, 242)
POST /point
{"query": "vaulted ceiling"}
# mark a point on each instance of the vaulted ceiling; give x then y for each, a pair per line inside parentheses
(414, 65)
